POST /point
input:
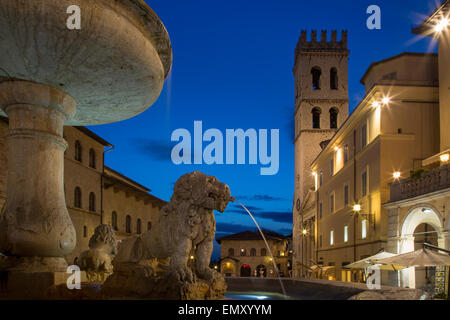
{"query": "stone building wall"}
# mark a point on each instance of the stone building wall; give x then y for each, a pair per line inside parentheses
(129, 199)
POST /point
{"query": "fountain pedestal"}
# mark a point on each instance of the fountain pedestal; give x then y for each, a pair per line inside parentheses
(35, 226)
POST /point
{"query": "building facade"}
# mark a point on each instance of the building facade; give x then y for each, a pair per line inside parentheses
(95, 194)
(382, 181)
(245, 254)
(418, 208)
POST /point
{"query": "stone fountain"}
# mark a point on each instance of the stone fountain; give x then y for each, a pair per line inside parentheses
(172, 260)
(109, 70)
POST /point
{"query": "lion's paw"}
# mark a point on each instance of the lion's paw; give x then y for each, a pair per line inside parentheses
(184, 274)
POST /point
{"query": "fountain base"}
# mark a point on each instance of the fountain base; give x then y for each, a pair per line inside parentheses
(137, 280)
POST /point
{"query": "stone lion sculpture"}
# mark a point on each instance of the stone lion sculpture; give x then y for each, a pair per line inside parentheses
(184, 234)
(97, 262)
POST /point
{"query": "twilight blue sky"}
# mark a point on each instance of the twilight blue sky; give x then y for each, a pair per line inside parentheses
(232, 69)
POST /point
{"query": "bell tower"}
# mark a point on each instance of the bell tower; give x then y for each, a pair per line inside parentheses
(321, 103)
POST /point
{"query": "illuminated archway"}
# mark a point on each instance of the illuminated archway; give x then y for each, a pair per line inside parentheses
(417, 216)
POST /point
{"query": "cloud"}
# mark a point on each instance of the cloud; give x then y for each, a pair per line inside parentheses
(260, 197)
(276, 216)
(155, 149)
(229, 228)
(224, 228)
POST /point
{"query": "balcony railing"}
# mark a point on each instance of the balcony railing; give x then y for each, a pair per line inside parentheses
(430, 181)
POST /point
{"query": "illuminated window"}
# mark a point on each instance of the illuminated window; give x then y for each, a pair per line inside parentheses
(346, 234)
(364, 229)
(331, 237)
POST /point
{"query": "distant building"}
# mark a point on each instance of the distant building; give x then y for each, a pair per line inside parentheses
(382, 181)
(245, 254)
(121, 202)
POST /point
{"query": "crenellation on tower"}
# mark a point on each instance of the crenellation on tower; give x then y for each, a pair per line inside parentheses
(323, 44)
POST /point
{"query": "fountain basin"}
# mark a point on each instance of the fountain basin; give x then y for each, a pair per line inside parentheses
(113, 67)
(313, 289)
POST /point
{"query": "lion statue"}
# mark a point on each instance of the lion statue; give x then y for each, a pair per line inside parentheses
(97, 262)
(183, 237)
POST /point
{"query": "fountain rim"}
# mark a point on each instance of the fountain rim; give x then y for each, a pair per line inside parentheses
(161, 33)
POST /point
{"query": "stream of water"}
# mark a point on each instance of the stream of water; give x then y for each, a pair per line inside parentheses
(268, 248)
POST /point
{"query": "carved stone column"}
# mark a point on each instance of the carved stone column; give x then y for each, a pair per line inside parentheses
(36, 224)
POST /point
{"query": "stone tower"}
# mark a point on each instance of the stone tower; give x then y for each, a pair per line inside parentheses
(321, 104)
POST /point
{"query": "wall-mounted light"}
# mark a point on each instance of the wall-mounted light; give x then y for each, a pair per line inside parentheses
(441, 25)
(444, 157)
(386, 100)
(304, 232)
(192, 257)
(396, 175)
(357, 207)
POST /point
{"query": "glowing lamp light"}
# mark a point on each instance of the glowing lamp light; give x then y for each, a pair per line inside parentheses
(215, 267)
(444, 157)
(304, 231)
(314, 174)
(397, 175)
(357, 208)
(441, 25)
(336, 149)
(192, 257)
(386, 100)
(375, 104)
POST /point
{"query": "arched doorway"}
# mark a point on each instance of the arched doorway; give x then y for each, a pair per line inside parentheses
(228, 268)
(423, 223)
(246, 271)
(261, 271)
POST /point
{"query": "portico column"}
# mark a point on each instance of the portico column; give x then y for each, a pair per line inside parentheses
(35, 222)
(408, 275)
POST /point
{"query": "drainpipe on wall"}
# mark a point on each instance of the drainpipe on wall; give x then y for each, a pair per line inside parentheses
(101, 183)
